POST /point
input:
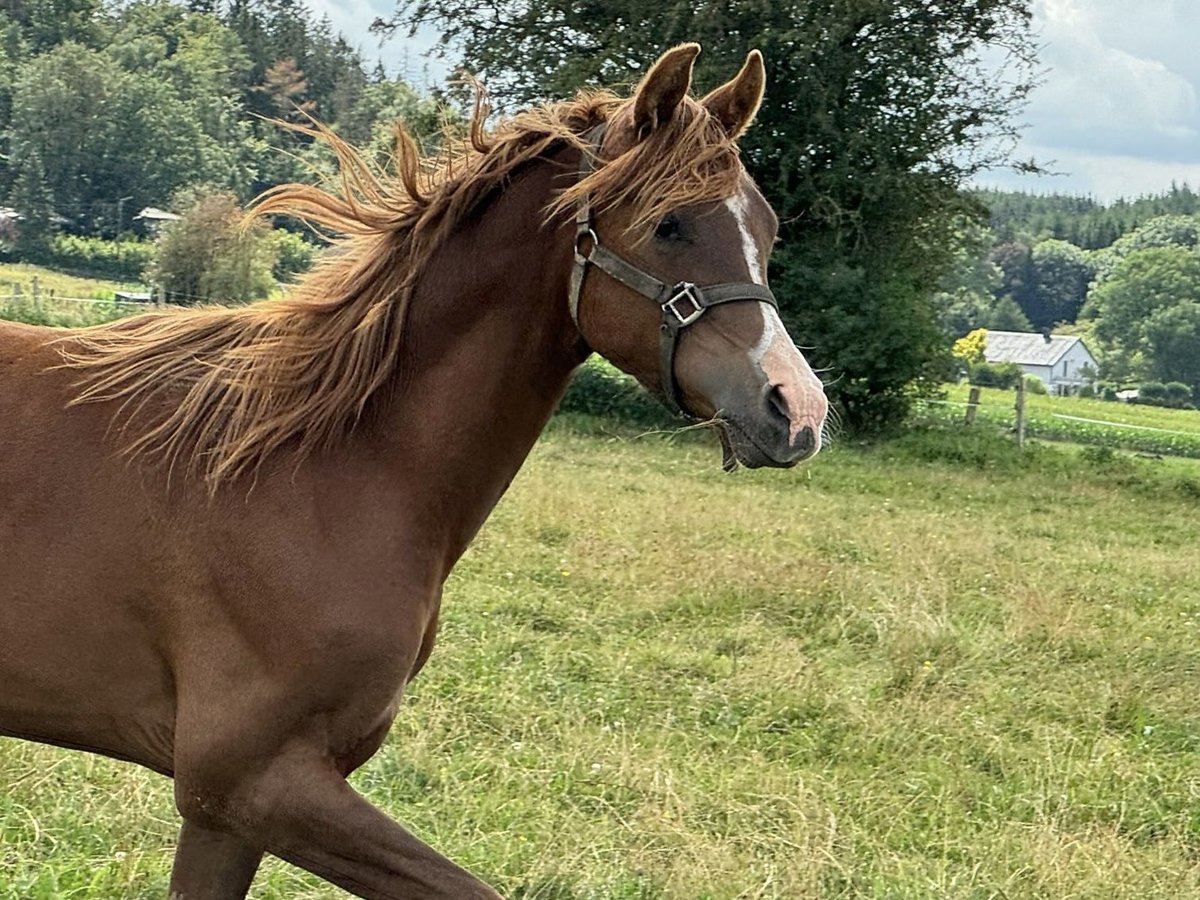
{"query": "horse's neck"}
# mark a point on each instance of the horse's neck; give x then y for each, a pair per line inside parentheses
(489, 348)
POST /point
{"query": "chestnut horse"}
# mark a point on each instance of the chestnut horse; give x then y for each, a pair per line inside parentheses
(224, 532)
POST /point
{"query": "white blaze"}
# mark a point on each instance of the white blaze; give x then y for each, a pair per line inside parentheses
(774, 353)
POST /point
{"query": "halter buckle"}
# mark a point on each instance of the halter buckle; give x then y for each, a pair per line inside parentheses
(685, 290)
(587, 232)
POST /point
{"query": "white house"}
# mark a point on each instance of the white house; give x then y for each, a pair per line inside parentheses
(1057, 359)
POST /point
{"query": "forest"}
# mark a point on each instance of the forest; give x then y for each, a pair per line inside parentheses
(1125, 275)
(108, 108)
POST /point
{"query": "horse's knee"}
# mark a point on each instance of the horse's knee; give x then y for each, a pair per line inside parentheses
(252, 799)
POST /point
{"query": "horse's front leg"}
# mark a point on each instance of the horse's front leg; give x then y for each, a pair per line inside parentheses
(212, 865)
(299, 807)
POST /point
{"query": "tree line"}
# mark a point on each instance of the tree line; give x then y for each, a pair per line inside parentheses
(107, 107)
(1135, 299)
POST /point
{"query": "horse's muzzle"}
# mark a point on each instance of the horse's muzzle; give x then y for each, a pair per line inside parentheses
(783, 429)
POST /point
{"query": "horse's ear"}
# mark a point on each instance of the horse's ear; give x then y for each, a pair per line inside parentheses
(663, 89)
(734, 104)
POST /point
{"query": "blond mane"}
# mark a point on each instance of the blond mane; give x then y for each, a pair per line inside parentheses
(222, 389)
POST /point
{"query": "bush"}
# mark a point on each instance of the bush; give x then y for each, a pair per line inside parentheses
(600, 389)
(32, 312)
(212, 254)
(1152, 393)
(119, 260)
(999, 375)
(1178, 395)
(1035, 385)
(1173, 395)
(295, 257)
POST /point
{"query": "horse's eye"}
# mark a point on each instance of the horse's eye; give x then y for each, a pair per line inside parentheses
(667, 229)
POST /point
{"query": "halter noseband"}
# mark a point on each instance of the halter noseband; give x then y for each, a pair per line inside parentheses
(681, 304)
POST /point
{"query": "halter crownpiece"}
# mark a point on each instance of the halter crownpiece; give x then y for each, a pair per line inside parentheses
(681, 304)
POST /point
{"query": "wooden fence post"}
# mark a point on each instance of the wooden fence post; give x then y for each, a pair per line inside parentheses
(160, 297)
(972, 405)
(1021, 411)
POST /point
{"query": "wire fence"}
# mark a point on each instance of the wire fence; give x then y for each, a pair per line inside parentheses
(1045, 424)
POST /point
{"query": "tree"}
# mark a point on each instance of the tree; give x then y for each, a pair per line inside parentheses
(971, 348)
(210, 254)
(1006, 315)
(104, 133)
(1018, 276)
(1161, 231)
(1172, 336)
(876, 112)
(285, 84)
(969, 288)
(1142, 316)
(1062, 273)
(35, 203)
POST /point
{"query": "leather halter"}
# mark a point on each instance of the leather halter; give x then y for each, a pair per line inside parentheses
(681, 304)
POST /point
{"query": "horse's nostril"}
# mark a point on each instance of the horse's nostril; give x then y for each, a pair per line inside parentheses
(805, 441)
(778, 402)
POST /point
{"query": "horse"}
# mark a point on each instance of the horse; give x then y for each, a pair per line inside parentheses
(225, 531)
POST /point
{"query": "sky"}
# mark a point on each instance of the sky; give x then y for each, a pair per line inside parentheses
(1117, 113)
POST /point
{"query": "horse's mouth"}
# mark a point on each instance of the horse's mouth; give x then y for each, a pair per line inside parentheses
(739, 446)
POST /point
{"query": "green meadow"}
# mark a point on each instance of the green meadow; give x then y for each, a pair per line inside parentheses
(931, 667)
(1146, 429)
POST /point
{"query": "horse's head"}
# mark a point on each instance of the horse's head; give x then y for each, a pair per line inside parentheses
(671, 216)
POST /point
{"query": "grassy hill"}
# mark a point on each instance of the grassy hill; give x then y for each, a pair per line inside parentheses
(928, 668)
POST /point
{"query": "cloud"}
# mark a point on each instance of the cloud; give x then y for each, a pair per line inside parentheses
(1106, 177)
(1101, 98)
(1119, 110)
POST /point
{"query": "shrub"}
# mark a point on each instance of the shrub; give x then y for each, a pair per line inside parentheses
(1173, 395)
(1179, 395)
(1152, 393)
(212, 254)
(999, 375)
(1035, 385)
(119, 260)
(600, 389)
(295, 255)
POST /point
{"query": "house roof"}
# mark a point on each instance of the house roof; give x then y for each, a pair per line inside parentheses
(1029, 349)
(157, 215)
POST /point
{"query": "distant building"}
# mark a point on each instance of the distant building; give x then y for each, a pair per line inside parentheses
(151, 219)
(1062, 361)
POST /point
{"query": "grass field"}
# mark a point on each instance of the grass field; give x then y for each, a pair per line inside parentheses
(929, 668)
(50, 308)
(1148, 429)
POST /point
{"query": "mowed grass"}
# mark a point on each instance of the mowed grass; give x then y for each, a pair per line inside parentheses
(927, 668)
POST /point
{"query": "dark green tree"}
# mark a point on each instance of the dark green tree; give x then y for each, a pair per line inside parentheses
(34, 202)
(1062, 273)
(876, 113)
(1144, 316)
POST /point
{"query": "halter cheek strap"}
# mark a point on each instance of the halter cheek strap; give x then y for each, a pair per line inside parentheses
(681, 304)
